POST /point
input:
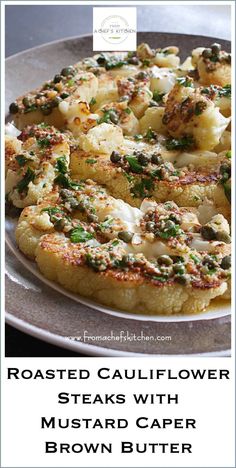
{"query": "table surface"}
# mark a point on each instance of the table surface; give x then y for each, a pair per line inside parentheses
(29, 26)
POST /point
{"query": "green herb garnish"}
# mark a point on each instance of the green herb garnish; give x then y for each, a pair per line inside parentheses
(106, 224)
(157, 97)
(22, 160)
(91, 161)
(181, 143)
(23, 183)
(61, 165)
(44, 142)
(134, 164)
(65, 182)
(92, 101)
(79, 234)
(142, 188)
(185, 81)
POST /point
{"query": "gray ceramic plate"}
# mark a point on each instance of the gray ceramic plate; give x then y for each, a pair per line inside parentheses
(43, 309)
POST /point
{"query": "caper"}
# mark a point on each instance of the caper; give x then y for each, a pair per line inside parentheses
(59, 224)
(177, 259)
(101, 60)
(169, 224)
(182, 279)
(223, 236)
(65, 193)
(225, 170)
(207, 53)
(126, 236)
(142, 75)
(114, 118)
(209, 262)
(143, 159)
(56, 101)
(73, 202)
(57, 78)
(156, 159)
(164, 260)
(226, 262)
(92, 218)
(64, 95)
(175, 218)
(26, 101)
(133, 61)
(127, 259)
(208, 232)
(115, 157)
(81, 206)
(179, 268)
(68, 71)
(13, 108)
(124, 98)
(150, 225)
(216, 48)
(46, 109)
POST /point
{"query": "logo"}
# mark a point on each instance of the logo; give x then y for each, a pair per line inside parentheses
(114, 29)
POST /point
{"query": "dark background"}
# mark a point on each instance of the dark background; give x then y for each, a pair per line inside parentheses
(29, 26)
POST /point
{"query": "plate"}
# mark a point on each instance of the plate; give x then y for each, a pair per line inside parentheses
(43, 309)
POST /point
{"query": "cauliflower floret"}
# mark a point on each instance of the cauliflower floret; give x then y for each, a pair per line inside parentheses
(213, 65)
(31, 164)
(121, 114)
(166, 59)
(107, 90)
(153, 118)
(79, 118)
(162, 80)
(103, 138)
(86, 86)
(188, 112)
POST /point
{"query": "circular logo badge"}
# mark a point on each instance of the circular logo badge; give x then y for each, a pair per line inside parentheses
(115, 29)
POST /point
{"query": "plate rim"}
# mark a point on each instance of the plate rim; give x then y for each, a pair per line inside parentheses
(69, 38)
(58, 340)
(92, 350)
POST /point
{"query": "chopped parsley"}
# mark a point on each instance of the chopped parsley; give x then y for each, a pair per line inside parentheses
(142, 188)
(71, 82)
(21, 159)
(195, 258)
(200, 107)
(91, 161)
(109, 116)
(172, 231)
(138, 137)
(23, 183)
(180, 144)
(157, 97)
(43, 142)
(128, 110)
(65, 182)
(134, 164)
(92, 101)
(185, 81)
(106, 224)
(225, 91)
(61, 165)
(150, 135)
(79, 234)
